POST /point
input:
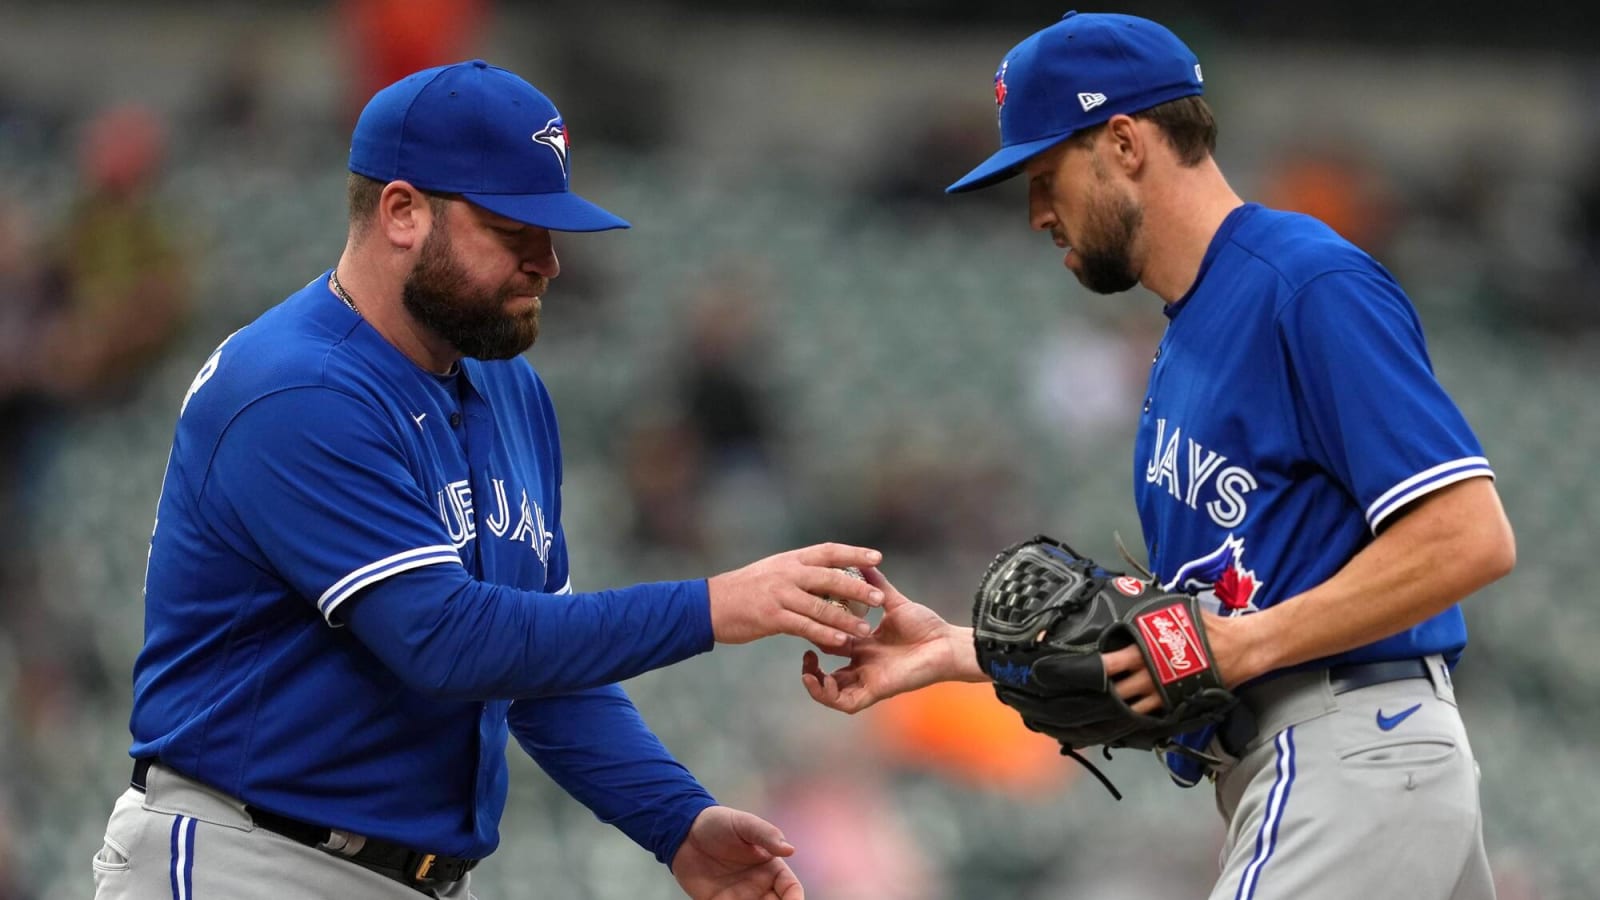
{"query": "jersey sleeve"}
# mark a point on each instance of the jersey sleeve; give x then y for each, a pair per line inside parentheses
(1372, 412)
(314, 485)
(598, 748)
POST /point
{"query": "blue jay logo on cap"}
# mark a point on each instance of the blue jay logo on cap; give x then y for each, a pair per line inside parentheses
(554, 136)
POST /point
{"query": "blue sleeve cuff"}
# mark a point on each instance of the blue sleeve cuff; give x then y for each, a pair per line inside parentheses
(697, 595)
(679, 832)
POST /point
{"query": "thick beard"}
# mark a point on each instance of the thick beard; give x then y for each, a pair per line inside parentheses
(439, 294)
(1106, 246)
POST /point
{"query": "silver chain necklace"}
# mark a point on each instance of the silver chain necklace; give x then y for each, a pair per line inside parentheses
(333, 282)
(338, 289)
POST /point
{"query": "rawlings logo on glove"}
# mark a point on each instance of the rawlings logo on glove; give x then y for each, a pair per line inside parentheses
(1174, 636)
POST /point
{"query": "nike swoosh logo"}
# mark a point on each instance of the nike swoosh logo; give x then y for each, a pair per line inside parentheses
(1387, 723)
(419, 417)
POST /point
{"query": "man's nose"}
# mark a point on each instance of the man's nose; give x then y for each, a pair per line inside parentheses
(1040, 216)
(541, 258)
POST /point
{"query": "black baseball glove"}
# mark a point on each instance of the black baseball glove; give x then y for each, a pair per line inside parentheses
(1043, 615)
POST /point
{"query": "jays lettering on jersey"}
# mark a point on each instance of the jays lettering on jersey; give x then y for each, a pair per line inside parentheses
(1291, 412)
(319, 478)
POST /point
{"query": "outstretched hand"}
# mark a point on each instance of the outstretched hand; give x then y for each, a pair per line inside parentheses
(730, 854)
(787, 594)
(911, 648)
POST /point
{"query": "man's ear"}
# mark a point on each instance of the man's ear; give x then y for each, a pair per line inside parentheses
(1126, 144)
(404, 216)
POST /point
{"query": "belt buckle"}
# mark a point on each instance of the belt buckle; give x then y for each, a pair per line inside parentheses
(424, 866)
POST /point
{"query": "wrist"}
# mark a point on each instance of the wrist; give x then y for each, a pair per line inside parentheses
(1256, 649)
(680, 835)
(963, 656)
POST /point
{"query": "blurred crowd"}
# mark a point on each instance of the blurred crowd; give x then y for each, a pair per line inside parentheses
(85, 307)
(749, 416)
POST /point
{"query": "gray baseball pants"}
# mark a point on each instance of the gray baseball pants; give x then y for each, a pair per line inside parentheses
(1370, 794)
(181, 840)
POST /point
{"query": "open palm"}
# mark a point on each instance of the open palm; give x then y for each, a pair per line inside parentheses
(734, 855)
(911, 648)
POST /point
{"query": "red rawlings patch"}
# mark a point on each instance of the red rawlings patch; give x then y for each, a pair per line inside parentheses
(1174, 643)
(1129, 585)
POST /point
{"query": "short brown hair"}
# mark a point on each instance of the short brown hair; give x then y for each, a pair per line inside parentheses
(1187, 122)
(362, 193)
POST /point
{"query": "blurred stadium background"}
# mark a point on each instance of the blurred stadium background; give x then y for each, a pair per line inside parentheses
(801, 339)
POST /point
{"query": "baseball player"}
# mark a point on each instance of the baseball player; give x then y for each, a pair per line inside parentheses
(358, 583)
(1297, 465)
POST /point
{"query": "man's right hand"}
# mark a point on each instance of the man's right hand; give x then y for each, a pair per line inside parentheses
(912, 648)
(787, 594)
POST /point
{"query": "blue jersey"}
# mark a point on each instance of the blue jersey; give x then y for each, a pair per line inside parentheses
(1291, 412)
(319, 479)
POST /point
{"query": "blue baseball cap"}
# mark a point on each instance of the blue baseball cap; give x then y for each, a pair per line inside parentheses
(1075, 74)
(479, 131)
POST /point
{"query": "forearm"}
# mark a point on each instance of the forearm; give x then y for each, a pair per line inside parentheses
(597, 747)
(448, 635)
(1455, 542)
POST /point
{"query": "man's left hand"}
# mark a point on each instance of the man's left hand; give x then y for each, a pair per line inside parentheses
(733, 855)
(1232, 651)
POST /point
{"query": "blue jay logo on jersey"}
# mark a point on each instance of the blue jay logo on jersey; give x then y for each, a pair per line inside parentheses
(554, 135)
(1222, 575)
(456, 511)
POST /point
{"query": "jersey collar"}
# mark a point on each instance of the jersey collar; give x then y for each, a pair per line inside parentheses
(1224, 234)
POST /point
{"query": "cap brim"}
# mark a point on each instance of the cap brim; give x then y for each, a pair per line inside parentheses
(1007, 162)
(562, 211)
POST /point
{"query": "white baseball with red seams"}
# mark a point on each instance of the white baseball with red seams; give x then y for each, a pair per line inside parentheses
(857, 609)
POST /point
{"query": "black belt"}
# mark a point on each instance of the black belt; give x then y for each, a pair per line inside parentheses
(1352, 677)
(405, 865)
(1239, 726)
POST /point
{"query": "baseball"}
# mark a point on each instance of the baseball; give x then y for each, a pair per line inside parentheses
(859, 610)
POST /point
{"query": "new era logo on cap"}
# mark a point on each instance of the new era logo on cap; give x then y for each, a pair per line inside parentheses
(1090, 101)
